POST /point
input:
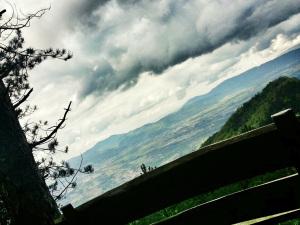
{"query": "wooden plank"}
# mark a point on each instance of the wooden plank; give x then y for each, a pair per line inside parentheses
(268, 199)
(294, 214)
(245, 156)
(289, 128)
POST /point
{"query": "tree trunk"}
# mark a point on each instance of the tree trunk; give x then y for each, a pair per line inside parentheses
(26, 194)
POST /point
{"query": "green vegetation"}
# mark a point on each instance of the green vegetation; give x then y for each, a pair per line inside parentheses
(277, 95)
(291, 222)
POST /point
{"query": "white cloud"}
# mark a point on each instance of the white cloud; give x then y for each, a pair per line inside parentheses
(118, 43)
(153, 97)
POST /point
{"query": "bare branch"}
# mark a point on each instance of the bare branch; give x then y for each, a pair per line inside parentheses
(20, 22)
(23, 99)
(54, 131)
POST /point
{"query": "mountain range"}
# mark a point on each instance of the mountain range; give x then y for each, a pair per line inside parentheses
(279, 94)
(118, 158)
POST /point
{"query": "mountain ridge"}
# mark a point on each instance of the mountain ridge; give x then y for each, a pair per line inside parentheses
(278, 95)
(117, 159)
(285, 61)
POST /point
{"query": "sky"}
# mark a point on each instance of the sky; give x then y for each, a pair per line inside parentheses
(136, 61)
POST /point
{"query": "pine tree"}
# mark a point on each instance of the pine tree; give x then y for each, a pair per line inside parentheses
(24, 195)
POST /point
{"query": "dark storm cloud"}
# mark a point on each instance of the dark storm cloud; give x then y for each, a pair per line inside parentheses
(86, 11)
(105, 78)
(88, 7)
(170, 32)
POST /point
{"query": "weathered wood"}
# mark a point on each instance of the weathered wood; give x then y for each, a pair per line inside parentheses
(289, 128)
(287, 123)
(264, 200)
(282, 218)
(214, 166)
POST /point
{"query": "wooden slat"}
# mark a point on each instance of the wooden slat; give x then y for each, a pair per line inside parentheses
(294, 214)
(209, 168)
(264, 200)
(289, 129)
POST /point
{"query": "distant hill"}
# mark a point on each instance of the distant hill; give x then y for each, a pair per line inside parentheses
(277, 95)
(117, 159)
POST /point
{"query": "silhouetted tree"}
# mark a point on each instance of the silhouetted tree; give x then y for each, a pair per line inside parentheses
(146, 169)
(24, 195)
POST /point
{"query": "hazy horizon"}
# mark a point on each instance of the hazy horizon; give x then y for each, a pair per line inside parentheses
(138, 61)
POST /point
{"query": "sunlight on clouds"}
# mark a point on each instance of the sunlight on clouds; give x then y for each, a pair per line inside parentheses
(253, 57)
(135, 63)
(153, 97)
(156, 96)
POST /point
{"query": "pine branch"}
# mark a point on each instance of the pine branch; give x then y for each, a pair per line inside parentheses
(54, 131)
(71, 182)
(23, 99)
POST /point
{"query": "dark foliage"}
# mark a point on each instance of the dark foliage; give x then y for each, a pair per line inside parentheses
(146, 169)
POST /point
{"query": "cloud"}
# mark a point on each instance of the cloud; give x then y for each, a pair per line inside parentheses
(87, 10)
(153, 97)
(132, 37)
(125, 38)
(113, 78)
